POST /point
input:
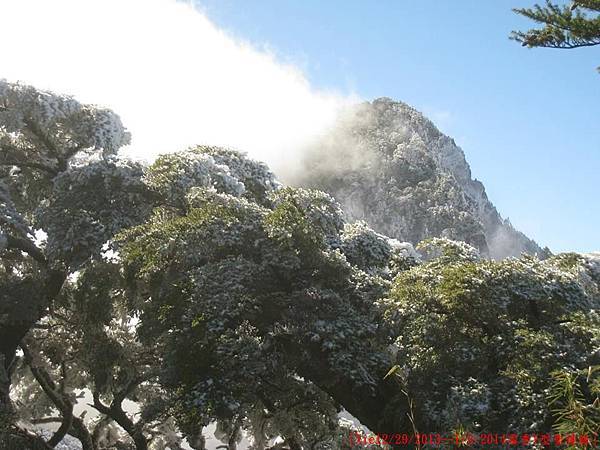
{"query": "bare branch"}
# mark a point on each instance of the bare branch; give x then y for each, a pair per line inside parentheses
(115, 412)
(62, 403)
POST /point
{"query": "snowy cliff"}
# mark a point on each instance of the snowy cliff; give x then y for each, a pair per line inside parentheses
(388, 164)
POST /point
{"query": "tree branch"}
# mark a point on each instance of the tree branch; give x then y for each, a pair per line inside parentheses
(31, 165)
(62, 403)
(115, 412)
(568, 46)
(78, 430)
(45, 140)
(26, 246)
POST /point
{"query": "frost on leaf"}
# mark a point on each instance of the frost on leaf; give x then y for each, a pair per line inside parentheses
(43, 130)
(89, 205)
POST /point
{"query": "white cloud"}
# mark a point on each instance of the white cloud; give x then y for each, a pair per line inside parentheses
(172, 75)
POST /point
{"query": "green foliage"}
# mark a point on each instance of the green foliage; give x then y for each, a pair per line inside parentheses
(444, 251)
(203, 291)
(564, 26)
(364, 247)
(256, 177)
(289, 226)
(575, 400)
(240, 295)
(89, 205)
(172, 176)
(477, 340)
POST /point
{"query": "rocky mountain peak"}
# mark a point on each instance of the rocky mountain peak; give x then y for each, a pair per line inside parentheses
(388, 164)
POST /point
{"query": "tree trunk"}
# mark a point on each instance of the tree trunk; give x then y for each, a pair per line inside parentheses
(12, 437)
(6, 410)
(116, 413)
(8, 335)
(14, 327)
(383, 408)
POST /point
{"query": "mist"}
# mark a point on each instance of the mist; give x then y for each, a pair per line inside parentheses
(172, 75)
(178, 80)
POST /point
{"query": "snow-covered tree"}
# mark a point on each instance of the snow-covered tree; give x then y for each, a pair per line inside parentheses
(63, 195)
(260, 314)
(203, 291)
(476, 341)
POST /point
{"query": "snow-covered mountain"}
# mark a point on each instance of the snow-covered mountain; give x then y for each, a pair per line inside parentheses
(388, 164)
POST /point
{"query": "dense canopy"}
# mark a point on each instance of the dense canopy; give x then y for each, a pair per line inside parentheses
(200, 290)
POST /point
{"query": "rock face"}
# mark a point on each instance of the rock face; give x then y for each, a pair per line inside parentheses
(389, 165)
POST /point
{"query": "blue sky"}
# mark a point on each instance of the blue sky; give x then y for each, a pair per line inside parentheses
(528, 120)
